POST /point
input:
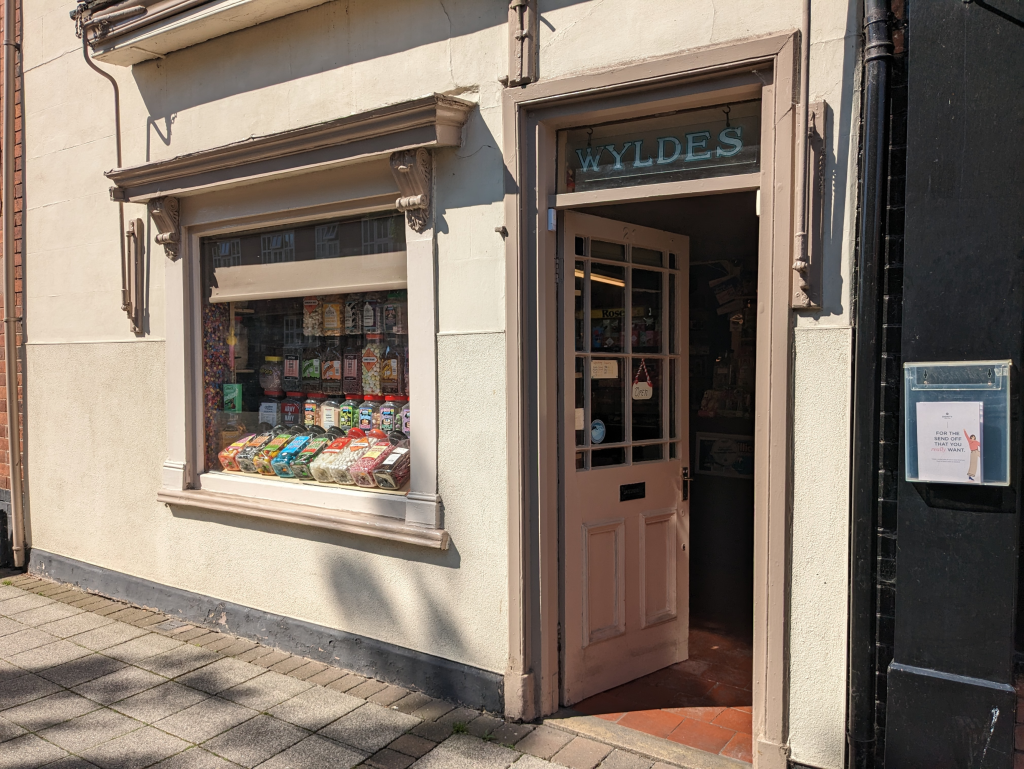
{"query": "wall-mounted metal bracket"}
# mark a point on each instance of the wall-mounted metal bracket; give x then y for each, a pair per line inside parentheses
(165, 216)
(131, 287)
(412, 171)
(807, 274)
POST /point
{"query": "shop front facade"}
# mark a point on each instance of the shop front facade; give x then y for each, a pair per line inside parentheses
(500, 352)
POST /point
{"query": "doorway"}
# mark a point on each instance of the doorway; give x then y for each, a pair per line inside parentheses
(679, 668)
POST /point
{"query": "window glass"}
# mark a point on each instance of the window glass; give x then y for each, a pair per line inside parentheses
(314, 387)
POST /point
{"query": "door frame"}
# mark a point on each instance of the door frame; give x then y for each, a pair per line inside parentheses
(765, 68)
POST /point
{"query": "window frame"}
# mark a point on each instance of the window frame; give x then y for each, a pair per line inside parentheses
(413, 517)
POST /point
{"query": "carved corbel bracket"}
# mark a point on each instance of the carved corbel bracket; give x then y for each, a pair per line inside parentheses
(412, 171)
(807, 273)
(165, 215)
(522, 42)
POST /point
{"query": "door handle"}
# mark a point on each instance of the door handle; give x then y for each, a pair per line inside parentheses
(686, 483)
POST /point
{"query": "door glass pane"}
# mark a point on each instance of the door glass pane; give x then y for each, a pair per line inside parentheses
(646, 326)
(602, 249)
(606, 457)
(607, 401)
(581, 460)
(647, 422)
(647, 256)
(648, 453)
(579, 323)
(578, 414)
(580, 246)
(672, 314)
(607, 303)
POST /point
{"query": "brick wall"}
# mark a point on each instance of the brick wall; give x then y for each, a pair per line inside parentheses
(5, 459)
(892, 322)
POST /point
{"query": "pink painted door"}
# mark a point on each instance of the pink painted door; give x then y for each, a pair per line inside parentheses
(625, 451)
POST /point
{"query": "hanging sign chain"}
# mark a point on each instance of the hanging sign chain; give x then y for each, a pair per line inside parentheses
(642, 391)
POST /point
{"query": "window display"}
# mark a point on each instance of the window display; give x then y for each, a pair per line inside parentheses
(311, 388)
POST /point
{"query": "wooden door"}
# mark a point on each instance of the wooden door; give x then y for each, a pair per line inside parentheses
(625, 450)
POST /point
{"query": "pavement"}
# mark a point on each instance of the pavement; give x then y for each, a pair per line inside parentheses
(87, 681)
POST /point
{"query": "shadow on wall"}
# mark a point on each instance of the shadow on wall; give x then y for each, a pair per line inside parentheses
(325, 38)
(358, 591)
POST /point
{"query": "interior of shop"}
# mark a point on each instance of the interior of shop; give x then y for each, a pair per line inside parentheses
(705, 702)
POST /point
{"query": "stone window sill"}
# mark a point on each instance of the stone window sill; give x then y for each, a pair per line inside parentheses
(364, 524)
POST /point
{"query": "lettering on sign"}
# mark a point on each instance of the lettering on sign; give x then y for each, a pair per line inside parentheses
(687, 145)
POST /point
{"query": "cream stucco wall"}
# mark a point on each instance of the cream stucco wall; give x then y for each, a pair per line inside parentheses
(337, 59)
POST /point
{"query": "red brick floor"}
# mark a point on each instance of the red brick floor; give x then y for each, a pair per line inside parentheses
(704, 702)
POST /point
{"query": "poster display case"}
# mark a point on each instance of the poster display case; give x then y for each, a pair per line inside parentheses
(958, 422)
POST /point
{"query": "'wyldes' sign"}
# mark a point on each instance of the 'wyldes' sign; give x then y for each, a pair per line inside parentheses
(682, 146)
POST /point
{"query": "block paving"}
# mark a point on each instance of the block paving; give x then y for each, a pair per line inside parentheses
(87, 681)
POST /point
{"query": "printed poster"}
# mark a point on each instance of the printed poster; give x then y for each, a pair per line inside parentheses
(949, 441)
(728, 455)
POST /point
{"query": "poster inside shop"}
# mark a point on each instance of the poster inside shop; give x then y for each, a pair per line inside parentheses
(728, 455)
(949, 441)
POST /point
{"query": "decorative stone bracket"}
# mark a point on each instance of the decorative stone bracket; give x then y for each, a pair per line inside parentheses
(412, 171)
(165, 215)
(522, 42)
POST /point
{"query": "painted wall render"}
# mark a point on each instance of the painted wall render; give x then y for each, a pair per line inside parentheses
(334, 60)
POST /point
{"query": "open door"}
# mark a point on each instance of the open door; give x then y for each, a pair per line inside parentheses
(625, 452)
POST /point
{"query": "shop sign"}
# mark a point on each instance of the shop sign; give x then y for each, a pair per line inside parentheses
(689, 145)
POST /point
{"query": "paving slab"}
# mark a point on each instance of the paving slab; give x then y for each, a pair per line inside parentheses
(481, 726)
(108, 635)
(543, 742)
(315, 752)
(159, 702)
(25, 689)
(8, 626)
(75, 624)
(82, 669)
(581, 753)
(84, 732)
(141, 648)
(119, 685)
(136, 749)
(315, 708)
(289, 664)
(27, 752)
(220, 675)
(195, 758)
(370, 727)
(49, 655)
(255, 741)
(205, 720)
(44, 614)
(389, 759)
(346, 683)
(178, 661)
(307, 671)
(367, 688)
(532, 762)
(71, 762)
(8, 730)
(411, 745)
(24, 602)
(621, 759)
(271, 658)
(412, 703)
(50, 710)
(22, 641)
(433, 710)
(265, 691)
(510, 734)
(461, 751)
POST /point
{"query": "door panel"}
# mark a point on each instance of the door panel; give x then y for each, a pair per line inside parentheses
(624, 446)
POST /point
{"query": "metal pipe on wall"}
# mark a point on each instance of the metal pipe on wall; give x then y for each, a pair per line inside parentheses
(866, 389)
(801, 259)
(10, 319)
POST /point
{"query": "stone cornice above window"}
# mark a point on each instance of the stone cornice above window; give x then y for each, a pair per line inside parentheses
(431, 121)
(139, 30)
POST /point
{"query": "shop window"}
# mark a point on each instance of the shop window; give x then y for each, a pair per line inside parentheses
(305, 354)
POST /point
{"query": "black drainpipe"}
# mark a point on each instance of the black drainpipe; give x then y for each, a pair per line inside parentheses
(866, 388)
